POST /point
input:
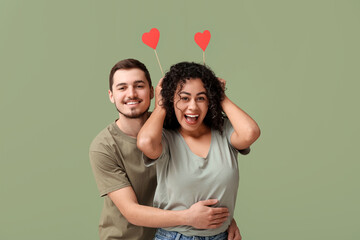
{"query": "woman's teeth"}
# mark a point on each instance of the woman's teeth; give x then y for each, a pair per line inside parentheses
(191, 118)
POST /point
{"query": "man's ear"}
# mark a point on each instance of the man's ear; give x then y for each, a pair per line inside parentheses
(151, 92)
(111, 96)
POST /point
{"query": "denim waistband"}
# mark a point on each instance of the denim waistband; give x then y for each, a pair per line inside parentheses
(162, 234)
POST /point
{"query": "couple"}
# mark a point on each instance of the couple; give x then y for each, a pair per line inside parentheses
(195, 155)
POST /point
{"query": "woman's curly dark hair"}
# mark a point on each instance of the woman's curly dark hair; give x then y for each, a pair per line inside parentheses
(178, 74)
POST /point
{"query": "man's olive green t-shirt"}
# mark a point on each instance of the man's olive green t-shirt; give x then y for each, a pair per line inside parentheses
(117, 163)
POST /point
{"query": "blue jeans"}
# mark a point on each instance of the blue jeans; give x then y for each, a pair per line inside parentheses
(162, 234)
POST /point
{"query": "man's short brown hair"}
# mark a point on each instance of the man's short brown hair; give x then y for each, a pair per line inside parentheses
(128, 64)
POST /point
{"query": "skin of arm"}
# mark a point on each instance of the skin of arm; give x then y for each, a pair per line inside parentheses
(149, 137)
(246, 130)
(200, 215)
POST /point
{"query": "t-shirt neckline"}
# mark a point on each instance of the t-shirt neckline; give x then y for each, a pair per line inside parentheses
(192, 153)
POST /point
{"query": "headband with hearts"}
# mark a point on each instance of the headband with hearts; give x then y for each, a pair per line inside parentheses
(152, 38)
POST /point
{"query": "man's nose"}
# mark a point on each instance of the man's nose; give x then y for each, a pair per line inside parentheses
(132, 92)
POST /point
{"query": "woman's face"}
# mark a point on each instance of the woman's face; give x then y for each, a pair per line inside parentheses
(191, 104)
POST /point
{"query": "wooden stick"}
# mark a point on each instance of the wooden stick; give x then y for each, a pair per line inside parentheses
(159, 62)
(204, 57)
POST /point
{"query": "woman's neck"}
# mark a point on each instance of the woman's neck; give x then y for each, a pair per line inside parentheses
(202, 130)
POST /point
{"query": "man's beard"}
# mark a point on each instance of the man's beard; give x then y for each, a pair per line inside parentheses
(133, 115)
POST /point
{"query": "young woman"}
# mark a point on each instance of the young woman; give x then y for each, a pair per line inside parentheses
(196, 153)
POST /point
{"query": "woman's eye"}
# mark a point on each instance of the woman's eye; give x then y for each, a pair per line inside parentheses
(184, 98)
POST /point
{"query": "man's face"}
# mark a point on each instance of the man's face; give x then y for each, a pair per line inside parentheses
(131, 92)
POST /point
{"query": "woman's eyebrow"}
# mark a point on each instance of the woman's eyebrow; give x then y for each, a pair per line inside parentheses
(183, 92)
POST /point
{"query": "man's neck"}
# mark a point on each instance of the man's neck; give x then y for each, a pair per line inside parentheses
(131, 126)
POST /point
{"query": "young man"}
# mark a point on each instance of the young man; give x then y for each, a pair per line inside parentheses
(123, 180)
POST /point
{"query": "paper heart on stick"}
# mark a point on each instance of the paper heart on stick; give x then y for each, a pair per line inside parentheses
(151, 38)
(202, 39)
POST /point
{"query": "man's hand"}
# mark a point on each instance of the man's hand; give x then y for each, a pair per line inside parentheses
(233, 231)
(201, 216)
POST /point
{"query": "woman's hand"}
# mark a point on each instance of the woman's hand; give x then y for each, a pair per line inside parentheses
(158, 97)
(222, 83)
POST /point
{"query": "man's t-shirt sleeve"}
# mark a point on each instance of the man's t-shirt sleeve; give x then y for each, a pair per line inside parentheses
(109, 176)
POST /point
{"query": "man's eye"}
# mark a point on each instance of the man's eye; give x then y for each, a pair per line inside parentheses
(122, 88)
(140, 86)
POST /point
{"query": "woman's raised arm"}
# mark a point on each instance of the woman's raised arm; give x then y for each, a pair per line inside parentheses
(149, 137)
(246, 130)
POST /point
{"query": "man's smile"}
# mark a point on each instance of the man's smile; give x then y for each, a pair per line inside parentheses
(133, 102)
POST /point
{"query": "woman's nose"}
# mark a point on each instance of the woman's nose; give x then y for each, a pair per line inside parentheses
(193, 105)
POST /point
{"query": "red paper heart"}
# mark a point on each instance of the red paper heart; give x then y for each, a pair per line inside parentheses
(151, 38)
(202, 39)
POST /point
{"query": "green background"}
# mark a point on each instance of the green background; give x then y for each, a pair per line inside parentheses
(292, 65)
